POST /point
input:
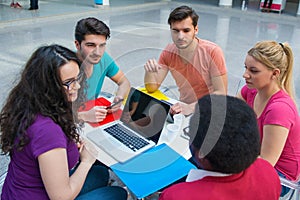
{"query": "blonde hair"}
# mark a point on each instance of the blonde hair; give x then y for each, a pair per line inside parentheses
(276, 55)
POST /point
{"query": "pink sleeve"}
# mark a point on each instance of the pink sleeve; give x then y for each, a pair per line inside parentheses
(280, 113)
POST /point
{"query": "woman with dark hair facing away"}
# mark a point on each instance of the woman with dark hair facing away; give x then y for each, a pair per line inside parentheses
(224, 143)
(269, 91)
(40, 133)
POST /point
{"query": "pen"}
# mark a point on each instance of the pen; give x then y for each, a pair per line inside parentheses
(114, 103)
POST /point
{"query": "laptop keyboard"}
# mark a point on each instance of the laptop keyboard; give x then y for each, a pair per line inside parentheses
(126, 137)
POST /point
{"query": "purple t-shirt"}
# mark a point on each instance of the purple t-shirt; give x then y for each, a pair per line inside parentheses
(23, 180)
(281, 110)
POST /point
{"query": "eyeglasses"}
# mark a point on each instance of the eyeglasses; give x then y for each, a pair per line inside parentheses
(71, 83)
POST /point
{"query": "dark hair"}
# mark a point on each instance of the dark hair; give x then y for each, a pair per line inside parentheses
(226, 133)
(181, 13)
(90, 26)
(40, 92)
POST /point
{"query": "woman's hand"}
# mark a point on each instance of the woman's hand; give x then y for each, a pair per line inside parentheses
(86, 155)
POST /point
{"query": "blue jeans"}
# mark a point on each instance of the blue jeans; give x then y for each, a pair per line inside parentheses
(104, 193)
(284, 189)
(96, 186)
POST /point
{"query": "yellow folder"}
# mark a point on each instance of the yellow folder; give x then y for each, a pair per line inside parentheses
(157, 94)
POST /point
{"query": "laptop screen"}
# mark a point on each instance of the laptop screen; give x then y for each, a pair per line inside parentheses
(145, 114)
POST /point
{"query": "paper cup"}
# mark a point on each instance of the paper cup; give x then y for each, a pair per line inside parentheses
(172, 130)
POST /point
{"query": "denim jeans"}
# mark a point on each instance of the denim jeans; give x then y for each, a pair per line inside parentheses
(96, 186)
(104, 193)
(284, 189)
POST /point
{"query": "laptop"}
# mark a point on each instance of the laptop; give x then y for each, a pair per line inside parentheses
(138, 129)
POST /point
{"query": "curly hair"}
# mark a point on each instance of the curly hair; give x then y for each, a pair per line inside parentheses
(224, 130)
(40, 92)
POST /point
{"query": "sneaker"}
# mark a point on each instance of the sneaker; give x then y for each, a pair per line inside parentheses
(12, 5)
(17, 5)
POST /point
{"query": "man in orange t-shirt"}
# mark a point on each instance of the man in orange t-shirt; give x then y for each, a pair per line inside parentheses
(198, 66)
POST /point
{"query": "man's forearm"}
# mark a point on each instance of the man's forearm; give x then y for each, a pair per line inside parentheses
(123, 89)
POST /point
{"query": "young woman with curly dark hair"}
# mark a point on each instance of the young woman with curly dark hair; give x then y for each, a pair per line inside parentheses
(40, 133)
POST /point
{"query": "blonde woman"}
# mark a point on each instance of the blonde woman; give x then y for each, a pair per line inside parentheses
(269, 91)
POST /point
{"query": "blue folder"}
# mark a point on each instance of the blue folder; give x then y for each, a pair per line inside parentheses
(152, 170)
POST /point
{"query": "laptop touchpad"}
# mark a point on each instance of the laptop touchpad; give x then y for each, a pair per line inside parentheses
(110, 145)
